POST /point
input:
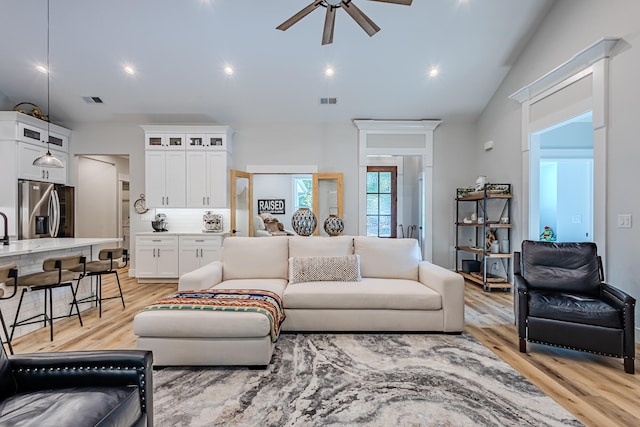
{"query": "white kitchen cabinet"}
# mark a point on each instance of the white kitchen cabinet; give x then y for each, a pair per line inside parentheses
(199, 250)
(187, 166)
(27, 153)
(209, 141)
(207, 179)
(165, 177)
(157, 257)
(39, 135)
(164, 141)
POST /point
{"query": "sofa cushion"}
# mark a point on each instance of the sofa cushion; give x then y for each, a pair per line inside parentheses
(369, 293)
(320, 246)
(388, 258)
(274, 285)
(251, 258)
(574, 308)
(201, 324)
(68, 407)
(324, 268)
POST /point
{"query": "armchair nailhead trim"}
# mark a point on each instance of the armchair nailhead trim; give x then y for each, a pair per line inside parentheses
(574, 348)
(141, 374)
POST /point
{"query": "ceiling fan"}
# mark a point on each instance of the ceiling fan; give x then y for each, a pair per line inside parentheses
(361, 19)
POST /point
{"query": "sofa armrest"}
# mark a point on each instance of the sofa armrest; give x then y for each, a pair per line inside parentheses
(111, 368)
(450, 286)
(204, 277)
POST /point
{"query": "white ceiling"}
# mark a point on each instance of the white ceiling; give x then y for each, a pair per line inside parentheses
(179, 48)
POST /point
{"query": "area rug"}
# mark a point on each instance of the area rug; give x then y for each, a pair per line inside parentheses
(359, 380)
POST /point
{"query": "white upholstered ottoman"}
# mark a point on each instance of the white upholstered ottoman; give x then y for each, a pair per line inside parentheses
(201, 338)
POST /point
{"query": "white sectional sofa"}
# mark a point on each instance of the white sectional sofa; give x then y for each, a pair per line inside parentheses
(395, 291)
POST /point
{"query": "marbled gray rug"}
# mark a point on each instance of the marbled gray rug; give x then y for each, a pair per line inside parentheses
(359, 380)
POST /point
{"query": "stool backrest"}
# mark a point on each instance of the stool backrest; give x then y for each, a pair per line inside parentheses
(7, 273)
(106, 254)
(66, 263)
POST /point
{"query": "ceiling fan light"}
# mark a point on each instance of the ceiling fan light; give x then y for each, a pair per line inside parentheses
(48, 160)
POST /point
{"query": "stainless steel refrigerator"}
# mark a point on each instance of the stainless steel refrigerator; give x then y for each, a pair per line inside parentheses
(45, 210)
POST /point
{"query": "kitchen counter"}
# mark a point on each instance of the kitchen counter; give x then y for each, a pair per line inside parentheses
(182, 233)
(21, 247)
(29, 255)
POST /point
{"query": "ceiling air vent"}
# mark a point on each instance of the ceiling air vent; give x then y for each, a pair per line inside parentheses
(92, 100)
(328, 101)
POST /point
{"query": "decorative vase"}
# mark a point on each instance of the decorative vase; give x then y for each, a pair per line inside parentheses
(333, 225)
(304, 222)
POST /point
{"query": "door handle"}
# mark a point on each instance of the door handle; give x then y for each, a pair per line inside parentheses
(158, 252)
(196, 253)
(167, 200)
(200, 253)
(154, 252)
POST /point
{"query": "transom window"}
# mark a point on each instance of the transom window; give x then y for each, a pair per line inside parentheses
(381, 201)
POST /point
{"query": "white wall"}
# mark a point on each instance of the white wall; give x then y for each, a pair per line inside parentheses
(571, 26)
(332, 147)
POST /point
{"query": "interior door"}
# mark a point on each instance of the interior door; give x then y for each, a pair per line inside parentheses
(241, 203)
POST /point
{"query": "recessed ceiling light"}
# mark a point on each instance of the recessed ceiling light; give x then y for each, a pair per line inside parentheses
(434, 72)
(329, 72)
(42, 69)
(228, 70)
(129, 70)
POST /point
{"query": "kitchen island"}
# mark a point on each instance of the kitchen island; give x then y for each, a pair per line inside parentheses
(28, 255)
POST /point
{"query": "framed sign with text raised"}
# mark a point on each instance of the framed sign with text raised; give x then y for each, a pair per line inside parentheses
(272, 206)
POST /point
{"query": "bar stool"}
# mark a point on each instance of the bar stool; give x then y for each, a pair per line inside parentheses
(108, 263)
(9, 277)
(56, 274)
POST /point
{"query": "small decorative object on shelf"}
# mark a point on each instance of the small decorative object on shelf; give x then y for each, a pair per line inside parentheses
(304, 222)
(547, 234)
(212, 222)
(34, 112)
(333, 225)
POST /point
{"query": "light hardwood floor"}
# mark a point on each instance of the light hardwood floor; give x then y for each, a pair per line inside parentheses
(595, 389)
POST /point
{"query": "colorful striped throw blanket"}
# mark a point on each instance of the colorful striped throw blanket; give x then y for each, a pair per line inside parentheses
(238, 300)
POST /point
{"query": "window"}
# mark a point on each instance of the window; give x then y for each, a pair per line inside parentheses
(381, 201)
(302, 192)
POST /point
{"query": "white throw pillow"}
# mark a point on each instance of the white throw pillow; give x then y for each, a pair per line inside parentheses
(324, 268)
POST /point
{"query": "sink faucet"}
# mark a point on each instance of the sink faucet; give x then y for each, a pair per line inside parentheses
(5, 239)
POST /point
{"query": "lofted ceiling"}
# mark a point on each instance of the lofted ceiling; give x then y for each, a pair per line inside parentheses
(179, 49)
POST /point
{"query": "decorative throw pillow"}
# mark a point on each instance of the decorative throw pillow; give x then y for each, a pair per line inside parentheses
(325, 268)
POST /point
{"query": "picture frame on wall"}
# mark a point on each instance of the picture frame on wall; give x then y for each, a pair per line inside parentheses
(271, 206)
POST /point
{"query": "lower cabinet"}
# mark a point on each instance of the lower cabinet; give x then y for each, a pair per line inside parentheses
(169, 257)
(196, 251)
(157, 257)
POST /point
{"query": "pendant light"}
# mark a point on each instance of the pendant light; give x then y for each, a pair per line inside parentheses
(48, 160)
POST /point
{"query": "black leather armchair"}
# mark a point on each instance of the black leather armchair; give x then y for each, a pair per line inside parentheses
(562, 300)
(84, 388)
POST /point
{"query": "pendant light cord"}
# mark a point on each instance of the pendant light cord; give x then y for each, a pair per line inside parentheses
(48, 82)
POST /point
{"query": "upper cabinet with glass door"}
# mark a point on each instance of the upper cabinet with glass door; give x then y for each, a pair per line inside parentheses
(209, 141)
(164, 141)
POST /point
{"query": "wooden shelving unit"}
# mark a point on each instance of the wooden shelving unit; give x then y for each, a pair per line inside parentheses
(491, 204)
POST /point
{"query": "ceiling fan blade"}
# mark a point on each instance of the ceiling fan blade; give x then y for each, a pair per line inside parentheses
(402, 2)
(329, 24)
(298, 16)
(363, 20)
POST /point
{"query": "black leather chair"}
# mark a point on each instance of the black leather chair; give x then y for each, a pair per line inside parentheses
(563, 301)
(84, 388)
